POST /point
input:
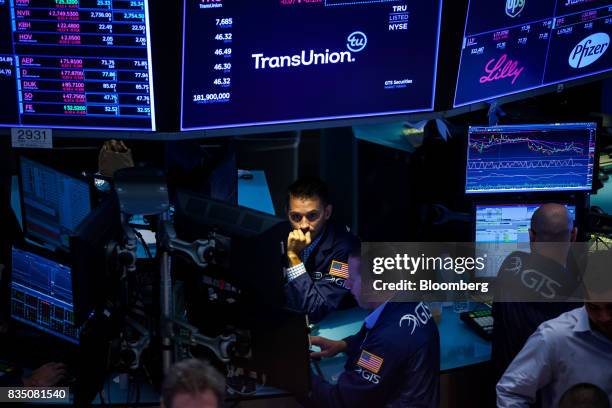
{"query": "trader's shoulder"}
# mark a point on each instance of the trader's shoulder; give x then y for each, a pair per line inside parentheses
(341, 235)
(565, 325)
(408, 325)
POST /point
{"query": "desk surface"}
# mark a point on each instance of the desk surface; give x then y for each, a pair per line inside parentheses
(254, 193)
(459, 345)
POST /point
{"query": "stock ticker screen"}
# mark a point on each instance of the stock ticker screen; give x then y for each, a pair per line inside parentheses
(512, 46)
(76, 64)
(531, 158)
(282, 61)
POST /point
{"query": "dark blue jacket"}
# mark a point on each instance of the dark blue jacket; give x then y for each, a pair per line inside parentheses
(513, 321)
(396, 363)
(319, 293)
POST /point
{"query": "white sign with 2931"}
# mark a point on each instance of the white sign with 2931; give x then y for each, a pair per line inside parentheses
(31, 138)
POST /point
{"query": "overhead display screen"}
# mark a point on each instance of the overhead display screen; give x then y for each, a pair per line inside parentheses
(531, 158)
(282, 61)
(512, 46)
(76, 64)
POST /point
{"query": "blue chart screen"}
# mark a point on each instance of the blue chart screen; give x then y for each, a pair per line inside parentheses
(282, 61)
(530, 158)
(76, 64)
(41, 294)
(511, 46)
(504, 229)
(54, 204)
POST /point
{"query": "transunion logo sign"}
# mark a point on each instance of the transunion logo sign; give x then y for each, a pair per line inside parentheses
(589, 50)
(355, 42)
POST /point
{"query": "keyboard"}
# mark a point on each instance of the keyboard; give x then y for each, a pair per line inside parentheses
(481, 321)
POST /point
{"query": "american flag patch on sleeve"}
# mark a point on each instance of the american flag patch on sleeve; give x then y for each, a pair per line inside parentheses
(370, 362)
(339, 269)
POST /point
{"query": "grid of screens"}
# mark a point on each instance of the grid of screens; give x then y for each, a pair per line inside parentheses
(504, 228)
(53, 204)
(76, 64)
(41, 294)
(283, 61)
(531, 158)
(511, 46)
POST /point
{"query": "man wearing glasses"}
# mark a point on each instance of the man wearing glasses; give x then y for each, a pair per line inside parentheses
(317, 252)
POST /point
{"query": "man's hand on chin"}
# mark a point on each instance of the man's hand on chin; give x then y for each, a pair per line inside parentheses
(296, 242)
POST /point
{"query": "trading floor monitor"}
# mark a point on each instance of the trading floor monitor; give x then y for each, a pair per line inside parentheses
(504, 228)
(530, 158)
(41, 293)
(53, 203)
(517, 46)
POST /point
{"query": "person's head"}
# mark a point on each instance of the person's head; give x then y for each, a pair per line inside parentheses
(308, 206)
(552, 231)
(600, 315)
(597, 282)
(193, 383)
(354, 279)
(552, 223)
(584, 395)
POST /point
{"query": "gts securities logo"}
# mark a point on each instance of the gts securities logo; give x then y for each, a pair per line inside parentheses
(355, 42)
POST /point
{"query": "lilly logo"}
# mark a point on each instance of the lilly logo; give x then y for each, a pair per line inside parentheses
(589, 50)
(514, 7)
(356, 41)
(502, 68)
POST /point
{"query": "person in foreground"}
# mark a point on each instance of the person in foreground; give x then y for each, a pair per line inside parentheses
(393, 361)
(193, 383)
(574, 348)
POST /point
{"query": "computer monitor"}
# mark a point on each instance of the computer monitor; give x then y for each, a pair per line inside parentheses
(515, 46)
(247, 291)
(76, 64)
(91, 259)
(271, 62)
(251, 247)
(41, 293)
(502, 229)
(530, 158)
(53, 204)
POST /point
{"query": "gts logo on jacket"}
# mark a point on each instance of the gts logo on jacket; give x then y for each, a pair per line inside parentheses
(368, 376)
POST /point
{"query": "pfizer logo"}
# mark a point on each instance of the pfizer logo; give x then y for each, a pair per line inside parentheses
(356, 41)
(589, 50)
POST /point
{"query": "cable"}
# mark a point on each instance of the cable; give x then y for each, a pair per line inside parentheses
(144, 244)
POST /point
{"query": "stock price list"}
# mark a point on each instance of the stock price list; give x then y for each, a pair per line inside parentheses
(221, 61)
(76, 64)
